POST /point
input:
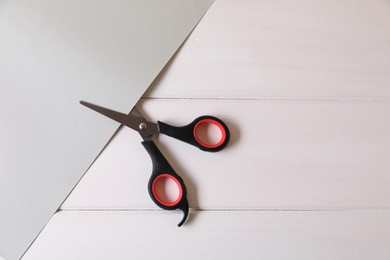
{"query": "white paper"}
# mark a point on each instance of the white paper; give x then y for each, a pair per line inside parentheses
(52, 54)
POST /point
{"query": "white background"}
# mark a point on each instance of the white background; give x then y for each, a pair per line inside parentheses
(305, 89)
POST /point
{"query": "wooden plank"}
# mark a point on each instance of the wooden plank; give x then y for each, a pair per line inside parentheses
(284, 49)
(283, 154)
(215, 235)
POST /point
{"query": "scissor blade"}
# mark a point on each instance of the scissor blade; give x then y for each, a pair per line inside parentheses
(128, 120)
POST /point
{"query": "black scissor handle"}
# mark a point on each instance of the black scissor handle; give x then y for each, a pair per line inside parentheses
(190, 134)
(162, 169)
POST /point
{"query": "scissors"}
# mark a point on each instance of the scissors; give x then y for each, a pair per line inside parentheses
(161, 168)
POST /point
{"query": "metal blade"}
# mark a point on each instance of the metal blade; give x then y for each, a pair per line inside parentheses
(139, 124)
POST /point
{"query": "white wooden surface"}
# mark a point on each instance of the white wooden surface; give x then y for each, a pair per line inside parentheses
(283, 154)
(215, 235)
(307, 49)
(305, 88)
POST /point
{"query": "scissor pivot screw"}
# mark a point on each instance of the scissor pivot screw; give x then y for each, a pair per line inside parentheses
(142, 126)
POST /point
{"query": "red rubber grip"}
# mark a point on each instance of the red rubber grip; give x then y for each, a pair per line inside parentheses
(214, 122)
(163, 202)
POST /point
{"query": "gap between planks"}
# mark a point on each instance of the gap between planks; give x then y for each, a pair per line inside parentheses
(279, 99)
(357, 210)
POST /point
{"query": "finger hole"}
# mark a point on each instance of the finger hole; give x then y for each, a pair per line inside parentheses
(209, 133)
(167, 190)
